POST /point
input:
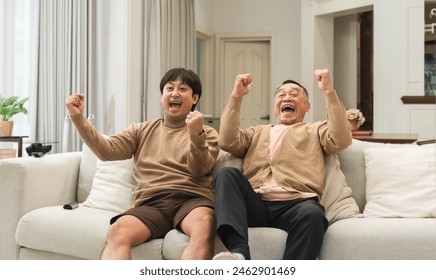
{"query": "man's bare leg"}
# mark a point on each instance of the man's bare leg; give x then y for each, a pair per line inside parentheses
(126, 232)
(199, 225)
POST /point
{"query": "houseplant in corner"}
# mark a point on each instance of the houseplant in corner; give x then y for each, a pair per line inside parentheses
(10, 106)
(356, 118)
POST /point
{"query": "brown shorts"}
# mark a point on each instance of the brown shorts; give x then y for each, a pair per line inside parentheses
(164, 212)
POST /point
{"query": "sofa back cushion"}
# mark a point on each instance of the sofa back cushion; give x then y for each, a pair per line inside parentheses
(353, 166)
(88, 167)
(337, 198)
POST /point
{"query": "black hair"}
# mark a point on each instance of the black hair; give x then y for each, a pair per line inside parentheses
(295, 83)
(188, 77)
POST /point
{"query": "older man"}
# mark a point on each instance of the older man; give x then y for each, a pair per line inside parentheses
(281, 182)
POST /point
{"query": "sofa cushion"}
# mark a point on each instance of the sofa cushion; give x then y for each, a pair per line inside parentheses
(337, 199)
(380, 238)
(226, 159)
(112, 186)
(353, 166)
(265, 244)
(401, 182)
(80, 233)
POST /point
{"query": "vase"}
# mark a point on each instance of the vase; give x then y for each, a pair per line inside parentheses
(353, 125)
(6, 128)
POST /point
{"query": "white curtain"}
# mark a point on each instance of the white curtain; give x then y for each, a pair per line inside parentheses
(6, 47)
(18, 60)
(63, 66)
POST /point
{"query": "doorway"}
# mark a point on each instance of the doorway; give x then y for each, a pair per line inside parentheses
(353, 63)
(241, 55)
(365, 96)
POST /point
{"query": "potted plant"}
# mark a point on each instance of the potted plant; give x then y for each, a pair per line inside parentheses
(10, 106)
(356, 118)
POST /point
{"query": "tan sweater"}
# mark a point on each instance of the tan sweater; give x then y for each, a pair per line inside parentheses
(166, 157)
(297, 163)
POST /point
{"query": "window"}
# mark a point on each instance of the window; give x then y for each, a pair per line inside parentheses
(19, 18)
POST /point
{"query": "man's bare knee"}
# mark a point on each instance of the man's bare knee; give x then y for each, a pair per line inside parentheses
(115, 234)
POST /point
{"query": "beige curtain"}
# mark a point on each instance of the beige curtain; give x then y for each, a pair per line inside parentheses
(169, 41)
(152, 61)
(178, 35)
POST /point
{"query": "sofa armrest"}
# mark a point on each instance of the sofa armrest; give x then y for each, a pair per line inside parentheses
(30, 183)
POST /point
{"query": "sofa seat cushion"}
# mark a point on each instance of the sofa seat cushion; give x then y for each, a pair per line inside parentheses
(80, 233)
(265, 244)
(380, 238)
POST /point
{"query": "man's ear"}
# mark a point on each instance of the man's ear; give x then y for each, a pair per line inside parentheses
(195, 97)
(307, 107)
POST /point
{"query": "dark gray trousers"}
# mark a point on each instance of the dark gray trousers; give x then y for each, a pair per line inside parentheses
(238, 207)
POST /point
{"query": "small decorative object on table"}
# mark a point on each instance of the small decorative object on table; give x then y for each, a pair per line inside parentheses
(356, 118)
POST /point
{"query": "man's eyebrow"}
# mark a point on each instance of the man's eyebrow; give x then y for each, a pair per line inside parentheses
(296, 87)
(174, 82)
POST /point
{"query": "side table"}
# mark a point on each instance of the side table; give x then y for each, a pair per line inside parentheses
(393, 138)
(18, 139)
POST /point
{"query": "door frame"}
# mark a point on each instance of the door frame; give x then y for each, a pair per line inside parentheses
(220, 40)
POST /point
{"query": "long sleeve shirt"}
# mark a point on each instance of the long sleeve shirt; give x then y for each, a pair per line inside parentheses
(297, 162)
(166, 157)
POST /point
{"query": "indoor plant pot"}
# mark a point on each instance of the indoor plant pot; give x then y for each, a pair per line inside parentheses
(6, 128)
(10, 106)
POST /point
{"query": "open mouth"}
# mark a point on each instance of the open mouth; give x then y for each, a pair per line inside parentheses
(175, 104)
(288, 108)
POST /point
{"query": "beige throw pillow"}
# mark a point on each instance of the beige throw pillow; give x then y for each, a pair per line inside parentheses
(337, 199)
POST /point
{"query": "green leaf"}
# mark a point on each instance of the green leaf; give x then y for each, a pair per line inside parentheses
(11, 106)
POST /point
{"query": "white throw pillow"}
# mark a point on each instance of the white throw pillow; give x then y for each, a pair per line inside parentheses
(112, 186)
(337, 198)
(401, 182)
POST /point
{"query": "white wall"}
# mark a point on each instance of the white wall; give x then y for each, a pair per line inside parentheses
(398, 59)
(345, 59)
(279, 17)
(304, 41)
(204, 14)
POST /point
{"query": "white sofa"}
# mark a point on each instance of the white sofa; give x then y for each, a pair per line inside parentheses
(34, 224)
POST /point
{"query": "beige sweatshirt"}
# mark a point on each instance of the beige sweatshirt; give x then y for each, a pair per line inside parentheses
(297, 163)
(166, 157)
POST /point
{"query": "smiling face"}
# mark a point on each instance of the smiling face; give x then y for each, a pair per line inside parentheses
(178, 98)
(291, 104)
